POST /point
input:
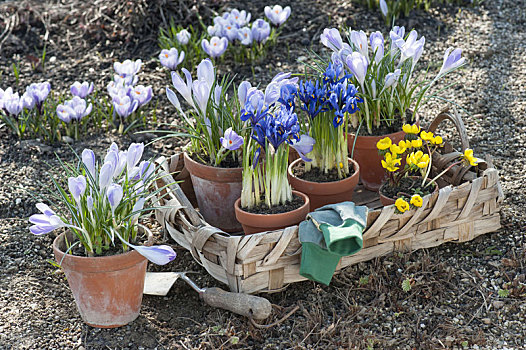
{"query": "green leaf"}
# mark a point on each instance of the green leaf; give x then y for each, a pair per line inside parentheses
(406, 285)
(364, 280)
(234, 340)
(504, 293)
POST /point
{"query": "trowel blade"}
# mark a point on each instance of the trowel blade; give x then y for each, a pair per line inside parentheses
(159, 283)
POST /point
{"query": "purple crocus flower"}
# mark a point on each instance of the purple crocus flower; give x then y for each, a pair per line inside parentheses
(45, 222)
(105, 175)
(206, 72)
(137, 207)
(81, 90)
(384, 8)
(357, 63)
(245, 36)
(260, 30)
(65, 113)
(185, 89)
(171, 58)
(39, 91)
(158, 254)
(27, 100)
(215, 30)
(124, 105)
(127, 68)
(114, 194)
(89, 203)
(241, 18)
(242, 92)
(141, 94)
(146, 169)
(359, 40)
(77, 187)
(172, 97)
(216, 47)
(451, 61)
(183, 37)
(80, 107)
(13, 104)
(231, 140)
(391, 79)
(134, 155)
(125, 80)
(277, 15)
(332, 39)
(201, 91)
(303, 146)
(88, 159)
(377, 45)
(231, 32)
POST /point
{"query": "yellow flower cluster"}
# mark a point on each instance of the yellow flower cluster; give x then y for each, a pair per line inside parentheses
(418, 159)
(402, 205)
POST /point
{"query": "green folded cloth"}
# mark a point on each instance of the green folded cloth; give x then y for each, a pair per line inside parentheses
(329, 233)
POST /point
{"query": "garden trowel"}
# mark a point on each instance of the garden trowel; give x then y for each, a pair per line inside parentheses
(159, 283)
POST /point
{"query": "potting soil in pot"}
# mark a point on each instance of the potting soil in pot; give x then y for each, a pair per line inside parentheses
(228, 162)
(317, 175)
(263, 208)
(407, 186)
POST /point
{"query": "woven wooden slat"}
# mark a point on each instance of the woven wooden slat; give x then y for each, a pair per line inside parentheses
(466, 206)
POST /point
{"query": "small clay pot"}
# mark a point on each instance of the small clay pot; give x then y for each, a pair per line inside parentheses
(108, 289)
(323, 193)
(216, 190)
(366, 154)
(254, 223)
(388, 200)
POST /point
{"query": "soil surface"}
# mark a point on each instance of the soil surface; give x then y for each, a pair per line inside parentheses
(318, 175)
(263, 208)
(228, 162)
(454, 300)
(406, 188)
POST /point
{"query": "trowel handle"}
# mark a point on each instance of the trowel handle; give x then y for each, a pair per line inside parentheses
(239, 303)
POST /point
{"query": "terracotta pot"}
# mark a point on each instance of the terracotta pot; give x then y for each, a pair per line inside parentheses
(107, 290)
(216, 190)
(323, 193)
(388, 200)
(254, 223)
(366, 154)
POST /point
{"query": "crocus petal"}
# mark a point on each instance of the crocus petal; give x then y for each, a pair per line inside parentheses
(114, 194)
(77, 186)
(205, 71)
(88, 159)
(134, 154)
(105, 176)
(158, 254)
(304, 146)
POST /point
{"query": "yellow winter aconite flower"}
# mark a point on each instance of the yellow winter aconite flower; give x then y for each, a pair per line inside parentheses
(411, 129)
(468, 157)
(390, 163)
(418, 159)
(426, 136)
(437, 140)
(416, 200)
(397, 149)
(402, 205)
(416, 143)
(384, 144)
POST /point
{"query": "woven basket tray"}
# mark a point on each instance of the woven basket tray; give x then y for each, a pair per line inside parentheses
(466, 206)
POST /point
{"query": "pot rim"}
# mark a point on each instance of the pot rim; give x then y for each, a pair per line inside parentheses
(306, 202)
(97, 263)
(208, 172)
(329, 188)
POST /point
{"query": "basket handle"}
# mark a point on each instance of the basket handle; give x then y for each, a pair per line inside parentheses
(457, 120)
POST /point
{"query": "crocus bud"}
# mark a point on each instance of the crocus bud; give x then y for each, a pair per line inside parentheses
(136, 208)
(183, 37)
(89, 203)
(114, 194)
(106, 173)
(134, 155)
(88, 159)
(77, 186)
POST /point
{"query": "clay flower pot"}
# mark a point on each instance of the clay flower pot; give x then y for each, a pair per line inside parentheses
(385, 200)
(254, 223)
(107, 290)
(216, 190)
(366, 154)
(322, 193)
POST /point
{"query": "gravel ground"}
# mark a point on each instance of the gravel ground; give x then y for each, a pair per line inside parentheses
(453, 302)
